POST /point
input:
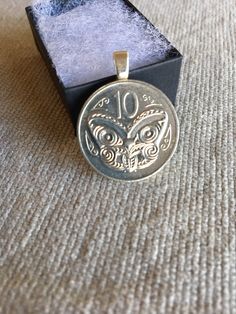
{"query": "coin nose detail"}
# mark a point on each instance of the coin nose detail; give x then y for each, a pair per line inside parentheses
(128, 144)
(121, 60)
(130, 161)
(130, 158)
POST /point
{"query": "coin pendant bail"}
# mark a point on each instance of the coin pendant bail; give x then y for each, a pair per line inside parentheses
(121, 60)
(128, 129)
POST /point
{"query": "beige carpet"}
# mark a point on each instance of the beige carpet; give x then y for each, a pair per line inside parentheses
(72, 241)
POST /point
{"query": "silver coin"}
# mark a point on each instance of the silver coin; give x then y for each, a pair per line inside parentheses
(128, 130)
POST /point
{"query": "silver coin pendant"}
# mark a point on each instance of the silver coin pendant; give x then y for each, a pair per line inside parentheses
(127, 130)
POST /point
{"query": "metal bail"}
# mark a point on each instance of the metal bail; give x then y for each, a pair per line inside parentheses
(121, 59)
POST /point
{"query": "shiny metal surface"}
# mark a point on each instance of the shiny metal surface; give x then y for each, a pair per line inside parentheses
(121, 60)
(128, 130)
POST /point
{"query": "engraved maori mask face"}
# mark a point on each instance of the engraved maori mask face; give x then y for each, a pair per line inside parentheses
(128, 147)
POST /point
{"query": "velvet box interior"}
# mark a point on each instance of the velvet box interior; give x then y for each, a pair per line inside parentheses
(161, 71)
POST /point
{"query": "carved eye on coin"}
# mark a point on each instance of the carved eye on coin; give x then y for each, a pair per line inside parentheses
(127, 130)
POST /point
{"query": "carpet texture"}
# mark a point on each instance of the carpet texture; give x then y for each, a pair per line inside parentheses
(72, 241)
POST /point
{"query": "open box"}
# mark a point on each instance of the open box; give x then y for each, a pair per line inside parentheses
(163, 74)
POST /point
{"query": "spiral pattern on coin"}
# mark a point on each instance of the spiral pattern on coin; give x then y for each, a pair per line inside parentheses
(107, 136)
(151, 151)
(148, 134)
(108, 155)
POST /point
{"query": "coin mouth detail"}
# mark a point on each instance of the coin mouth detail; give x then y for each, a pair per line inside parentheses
(129, 159)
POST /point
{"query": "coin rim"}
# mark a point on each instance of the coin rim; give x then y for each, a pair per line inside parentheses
(79, 122)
